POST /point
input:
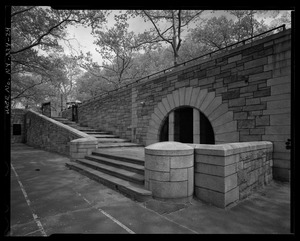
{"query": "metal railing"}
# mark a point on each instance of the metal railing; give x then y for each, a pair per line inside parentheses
(243, 42)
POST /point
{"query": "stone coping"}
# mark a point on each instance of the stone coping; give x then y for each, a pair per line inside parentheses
(169, 148)
(230, 148)
(74, 131)
(90, 140)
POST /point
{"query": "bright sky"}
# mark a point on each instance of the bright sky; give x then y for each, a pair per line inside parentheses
(82, 39)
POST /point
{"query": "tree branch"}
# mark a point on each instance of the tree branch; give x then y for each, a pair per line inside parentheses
(22, 11)
(157, 30)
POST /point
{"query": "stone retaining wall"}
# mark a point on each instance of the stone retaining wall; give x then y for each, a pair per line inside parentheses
(228, 173)
(244, 92)
(51, 135)
(17, 117)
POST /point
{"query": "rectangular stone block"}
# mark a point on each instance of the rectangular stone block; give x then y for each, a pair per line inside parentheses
(181, 161)
(227, 127)
(218, 199)
(194, 95)
(279, 104)
(262, 120)
(158, 176)
(280, 89)
(215, 170)
(279, 80)
(246, 124)
(178, 174)
(262, 93)
(240, 115)
(168, 189)
(190, 176)
(278, 130)
(282, 119)
(256, 62)
(210, 196)
(260, 76)
(227, 137)
(157, 163)
(237, 102)
(234, 58)
(216, 160)
(233, 94)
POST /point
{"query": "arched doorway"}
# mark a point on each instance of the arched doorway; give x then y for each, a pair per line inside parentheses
(187, 125)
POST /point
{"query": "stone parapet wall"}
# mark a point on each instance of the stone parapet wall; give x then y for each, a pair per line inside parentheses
(17, 117)
(228, 173)
(51, 135)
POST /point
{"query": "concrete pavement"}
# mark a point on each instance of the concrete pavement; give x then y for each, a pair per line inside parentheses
(48, 198)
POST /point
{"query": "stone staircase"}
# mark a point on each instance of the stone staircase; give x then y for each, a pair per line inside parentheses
(117, 163)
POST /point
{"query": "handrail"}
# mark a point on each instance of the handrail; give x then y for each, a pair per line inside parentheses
(184, 63)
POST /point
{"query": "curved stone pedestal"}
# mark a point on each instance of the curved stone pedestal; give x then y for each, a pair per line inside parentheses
(169, 171)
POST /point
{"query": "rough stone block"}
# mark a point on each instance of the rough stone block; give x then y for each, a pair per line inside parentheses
(246, 124)
(262, 120)
(213, 72)
(231, 94)
(234, 58)
(262, 93)
(227, 127)
(237, 102)
(256, 62)
(260, 76)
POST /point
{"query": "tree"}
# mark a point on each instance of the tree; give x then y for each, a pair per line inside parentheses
(176, 21)
(219, 32)
(35, 32)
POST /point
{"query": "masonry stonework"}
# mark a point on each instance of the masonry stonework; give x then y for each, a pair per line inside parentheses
(244, 92)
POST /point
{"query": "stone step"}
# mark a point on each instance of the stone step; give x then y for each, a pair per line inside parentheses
(97, 132)
(88, 129)
(113, 171)
(134, 191)
(118, 145)
(103, 136)
(123, 156)
(112, 140)
(116, 162)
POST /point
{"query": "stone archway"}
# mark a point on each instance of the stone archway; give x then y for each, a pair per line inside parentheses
(221, 119)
